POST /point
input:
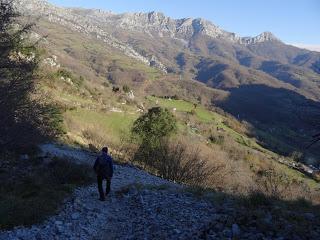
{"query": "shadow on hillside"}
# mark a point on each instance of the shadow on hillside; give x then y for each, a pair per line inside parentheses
(26, 120)
(263, 215)
(34, 188)
(281, 114)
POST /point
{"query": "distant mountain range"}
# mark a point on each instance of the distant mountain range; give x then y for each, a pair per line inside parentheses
(311, 47)
(268, 83)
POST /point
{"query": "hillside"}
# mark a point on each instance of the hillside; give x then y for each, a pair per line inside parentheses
(105, 118)
(81, 70)
(207, 129)
(136, 48)
(144, 206)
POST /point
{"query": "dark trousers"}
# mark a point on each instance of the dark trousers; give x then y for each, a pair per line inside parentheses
(100, 188)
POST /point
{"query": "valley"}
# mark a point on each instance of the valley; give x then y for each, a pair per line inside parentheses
(144, 47)
(241, 106)
(243, 111)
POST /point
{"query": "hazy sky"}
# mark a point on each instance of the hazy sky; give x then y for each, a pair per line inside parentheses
(293, 21)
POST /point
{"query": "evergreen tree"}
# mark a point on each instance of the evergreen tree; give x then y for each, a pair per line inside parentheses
(155, 125)
(24, 119)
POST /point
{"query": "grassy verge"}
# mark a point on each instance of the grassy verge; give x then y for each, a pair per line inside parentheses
(30, 192)
(107, 125)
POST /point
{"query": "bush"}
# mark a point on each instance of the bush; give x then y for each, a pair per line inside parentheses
(296, 156)
(126, 88)
(176, 162)
(64, 73)
(78, 81)
(115, 89)
(153, 126)
(273, 183)
(192, 112)
(216, 139)
(279, 185)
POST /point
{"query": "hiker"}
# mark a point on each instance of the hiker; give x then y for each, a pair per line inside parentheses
(103, 167)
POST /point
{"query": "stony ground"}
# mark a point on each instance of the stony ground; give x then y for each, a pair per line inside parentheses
(142, 206)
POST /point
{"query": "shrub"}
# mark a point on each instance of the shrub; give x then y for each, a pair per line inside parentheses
(126, 88)
(192, 112)
(272, 183)
(176, 161)
(179, 164)
(216, 139)
(279, 185)
(64, 73)
(296, 156)
(115, 89)
(153, 126)
(126, 149)
(78, 81)
(175, 97)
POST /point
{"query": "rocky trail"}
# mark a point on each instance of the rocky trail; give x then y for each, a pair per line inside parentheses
(140, 206)
(143, 206)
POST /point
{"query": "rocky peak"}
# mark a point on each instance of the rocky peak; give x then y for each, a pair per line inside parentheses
(263, 37)
(97, 14)
(152, 23)
(207, 28)
(157, 24)
(156, 16)
(36, 6)
(267, 36)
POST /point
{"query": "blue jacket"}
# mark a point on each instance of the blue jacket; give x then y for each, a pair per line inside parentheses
(103, 165)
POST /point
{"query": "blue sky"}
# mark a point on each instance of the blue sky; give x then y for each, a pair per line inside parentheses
(293, 21)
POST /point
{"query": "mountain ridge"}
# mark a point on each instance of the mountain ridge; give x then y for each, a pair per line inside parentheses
(114, 29)
(197, 50)
(153, 17)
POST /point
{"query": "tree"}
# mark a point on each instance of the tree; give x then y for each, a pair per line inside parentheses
(151, 130)
(155, 125)
(168, 158)
(25, 119)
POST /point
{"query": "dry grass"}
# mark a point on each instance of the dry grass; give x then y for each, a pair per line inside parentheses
(226, 167)
(277, 184)
(31, 191)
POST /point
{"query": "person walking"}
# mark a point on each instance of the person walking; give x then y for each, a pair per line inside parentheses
(103, 167)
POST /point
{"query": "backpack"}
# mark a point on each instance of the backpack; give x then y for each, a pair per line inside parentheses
(104, 166)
